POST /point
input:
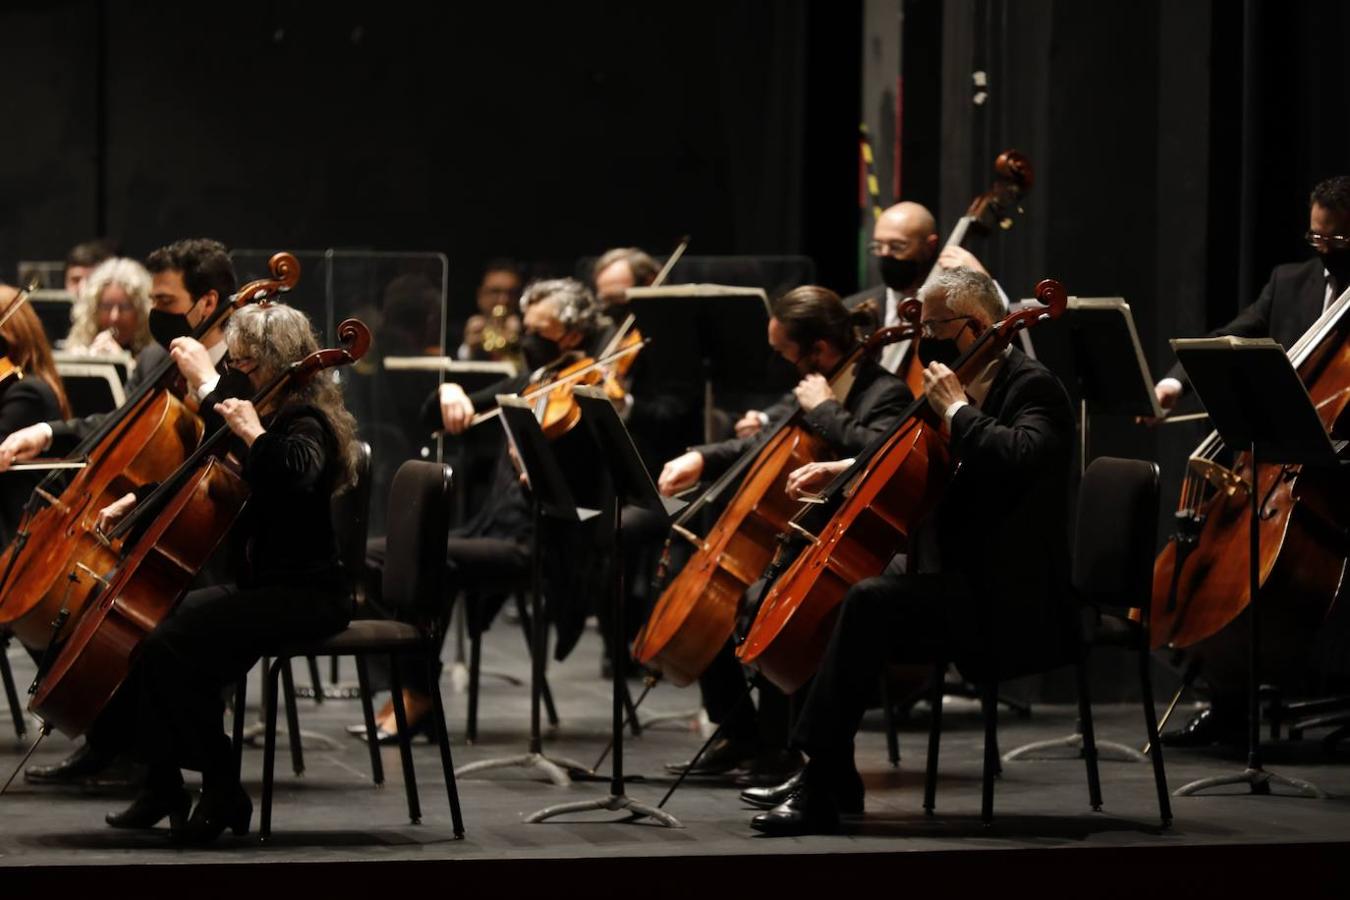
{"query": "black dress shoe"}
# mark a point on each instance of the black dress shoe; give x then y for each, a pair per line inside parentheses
(847, 788)
(1209, 726)
(807, 810)
(217, 810)
(74, 769)
(722, 757)
(150, 807)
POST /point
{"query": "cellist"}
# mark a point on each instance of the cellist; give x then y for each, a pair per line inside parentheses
(810, 328)
(995, 551)
(1293, 299)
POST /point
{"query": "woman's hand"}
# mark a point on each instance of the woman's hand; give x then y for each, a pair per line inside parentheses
(242, 419)
(680, 473)
(110, 515)
(25, 443)
(105, 343)
(810, 478)
(193, 361)
(456, 408)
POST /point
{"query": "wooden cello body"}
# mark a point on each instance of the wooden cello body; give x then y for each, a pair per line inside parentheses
(47, 572)
(868, 517)
(694, 616)
(1200, 581)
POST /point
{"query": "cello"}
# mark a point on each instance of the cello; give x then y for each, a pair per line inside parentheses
(863, 518)
(1304, 527)
(164, 542)
(46, 571)
(695, 614)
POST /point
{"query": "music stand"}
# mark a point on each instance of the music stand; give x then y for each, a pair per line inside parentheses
(1255, 399)
(632, 484)
(550, 497)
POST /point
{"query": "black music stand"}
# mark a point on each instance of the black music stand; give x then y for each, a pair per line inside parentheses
(552, 498)
(632, 484)
(1255, 399)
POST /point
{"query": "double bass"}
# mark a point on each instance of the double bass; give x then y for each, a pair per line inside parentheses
(696, 612)
(863, 518)
(163, 543)
(46, 573)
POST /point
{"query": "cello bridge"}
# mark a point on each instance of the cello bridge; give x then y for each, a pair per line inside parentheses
(1223, 478)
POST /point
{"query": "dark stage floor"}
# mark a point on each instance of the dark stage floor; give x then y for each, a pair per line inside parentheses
(334, 818)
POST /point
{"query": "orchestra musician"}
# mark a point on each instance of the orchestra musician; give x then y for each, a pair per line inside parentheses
(294, 453)
(111, 313)
(970, 570)
(810, 328)
(35, 397)
(493, 331)
(488, 556)
(617, 270)
(1293, 299)
(81, 260)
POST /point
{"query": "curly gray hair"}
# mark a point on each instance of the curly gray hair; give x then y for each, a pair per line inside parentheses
(132, 278)
(577, 306)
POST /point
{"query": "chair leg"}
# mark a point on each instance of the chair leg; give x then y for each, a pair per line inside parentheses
(1154, 744)
(270, 676)
(989, 708)
(1085, 728)
(404, 742)
(237, 741)
(630, 710)
(443, 739)
(475, 664)
(315, 680)
(892, 735)
(11, 694)
(292, 718)
(368, 713)
(333, 669)
(934, 737)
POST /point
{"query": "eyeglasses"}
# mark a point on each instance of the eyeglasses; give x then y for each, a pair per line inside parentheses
(887, 248)
(1330, 241)
(927, 330)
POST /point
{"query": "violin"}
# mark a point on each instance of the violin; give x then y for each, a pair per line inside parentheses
(180, 523)
(9, 371)
(46, 572)
(852, 529)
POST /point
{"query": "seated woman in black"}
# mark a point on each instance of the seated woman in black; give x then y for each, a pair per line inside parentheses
(36, 397)
(295, 453)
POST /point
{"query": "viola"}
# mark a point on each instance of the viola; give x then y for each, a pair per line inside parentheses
(179, 524)
(46, 571)
(863, 518)
(9, 371)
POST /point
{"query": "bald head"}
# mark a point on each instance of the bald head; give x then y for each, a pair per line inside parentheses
(906, 219)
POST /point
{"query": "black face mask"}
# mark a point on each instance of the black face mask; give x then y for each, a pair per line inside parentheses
(538, 351)
(940, 350)
(898, 274)
(165, 326)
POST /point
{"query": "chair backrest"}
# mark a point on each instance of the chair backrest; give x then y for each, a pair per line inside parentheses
(1116, 533)
(418, 526)
(351, 523)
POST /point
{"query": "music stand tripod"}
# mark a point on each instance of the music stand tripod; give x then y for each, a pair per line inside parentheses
(1255, 399)
(632, 483)
(551, 498)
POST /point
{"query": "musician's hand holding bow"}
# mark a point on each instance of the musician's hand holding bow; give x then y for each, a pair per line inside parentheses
(193, 360)
(25, 443)
(812, 391)
(456, 408)
(680, 473)
(242, 419)
(110, 515)
(810, 478)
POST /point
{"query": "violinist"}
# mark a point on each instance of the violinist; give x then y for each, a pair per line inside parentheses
(489, 555)
(35, 397)
(615, 272)
(810, 328)
(111, 313)
(972, 570)
(1293, 299)
(294, 453)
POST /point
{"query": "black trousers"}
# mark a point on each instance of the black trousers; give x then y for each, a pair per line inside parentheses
(723, 686)
(907, 618)
(486, 569)
(169, 711)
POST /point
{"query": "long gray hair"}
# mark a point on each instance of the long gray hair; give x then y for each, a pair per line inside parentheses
(276, 335)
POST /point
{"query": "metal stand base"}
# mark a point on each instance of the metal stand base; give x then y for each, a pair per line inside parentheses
(1074, 742)
(555, 770)
(613, 803)
(253, 734)
(1258, 779)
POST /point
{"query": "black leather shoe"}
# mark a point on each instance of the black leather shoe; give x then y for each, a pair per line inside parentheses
(150, 807)
(847, 791)
(217, 810)
(722, 757)
(807, 810)
(1209, 726)
(74, 769)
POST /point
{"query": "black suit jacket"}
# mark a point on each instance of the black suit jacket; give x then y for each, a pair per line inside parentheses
(1289, 303)
(25, 402)
(1003, 522)
(872, 405)
(67, 434)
